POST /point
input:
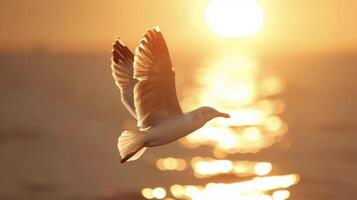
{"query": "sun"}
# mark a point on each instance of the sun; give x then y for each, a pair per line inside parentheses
(234, 18)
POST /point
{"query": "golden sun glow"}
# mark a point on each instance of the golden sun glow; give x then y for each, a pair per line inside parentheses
(234, 18)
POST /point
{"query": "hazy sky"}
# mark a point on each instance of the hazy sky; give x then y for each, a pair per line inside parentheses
(88, 25)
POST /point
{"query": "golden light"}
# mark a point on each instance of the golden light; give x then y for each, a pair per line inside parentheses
(236, 85)
(171, 164)
(206, 167)
(256, 188)
(271, 86)
(281, 195)
(193, 191)
(234, 18)
(252, 134)
(241, 168)
(273, 123)
(147, 193)
(177, 191)
(263, 168)
(212, 167)
(159, 193)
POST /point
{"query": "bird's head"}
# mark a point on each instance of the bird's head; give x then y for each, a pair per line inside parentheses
(204, 114)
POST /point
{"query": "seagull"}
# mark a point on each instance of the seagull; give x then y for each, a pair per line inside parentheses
(146, 82)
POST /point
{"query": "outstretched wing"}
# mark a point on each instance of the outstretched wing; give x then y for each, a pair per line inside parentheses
(122, 68)
(155, 94)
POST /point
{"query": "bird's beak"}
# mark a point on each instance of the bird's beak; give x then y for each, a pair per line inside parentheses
(225, 115)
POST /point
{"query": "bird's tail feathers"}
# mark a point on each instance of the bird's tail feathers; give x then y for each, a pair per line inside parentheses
(131, 145)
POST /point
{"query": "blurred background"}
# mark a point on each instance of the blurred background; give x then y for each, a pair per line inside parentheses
(285, 71)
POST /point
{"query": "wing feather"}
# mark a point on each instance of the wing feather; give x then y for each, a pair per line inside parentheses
(155, 96)
(122, 71)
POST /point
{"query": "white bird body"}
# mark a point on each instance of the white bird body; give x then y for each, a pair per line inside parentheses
(170, 130)
(147, 85)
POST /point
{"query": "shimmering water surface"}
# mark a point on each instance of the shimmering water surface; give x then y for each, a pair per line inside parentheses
(291, 135)
(236, 85)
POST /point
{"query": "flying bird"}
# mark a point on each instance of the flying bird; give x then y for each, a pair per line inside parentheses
(146, 82)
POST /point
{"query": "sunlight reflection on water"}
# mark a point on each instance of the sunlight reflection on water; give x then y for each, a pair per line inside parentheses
(234, 85)
(237, 86)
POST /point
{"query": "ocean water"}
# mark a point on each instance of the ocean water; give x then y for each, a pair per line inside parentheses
(61, 116)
